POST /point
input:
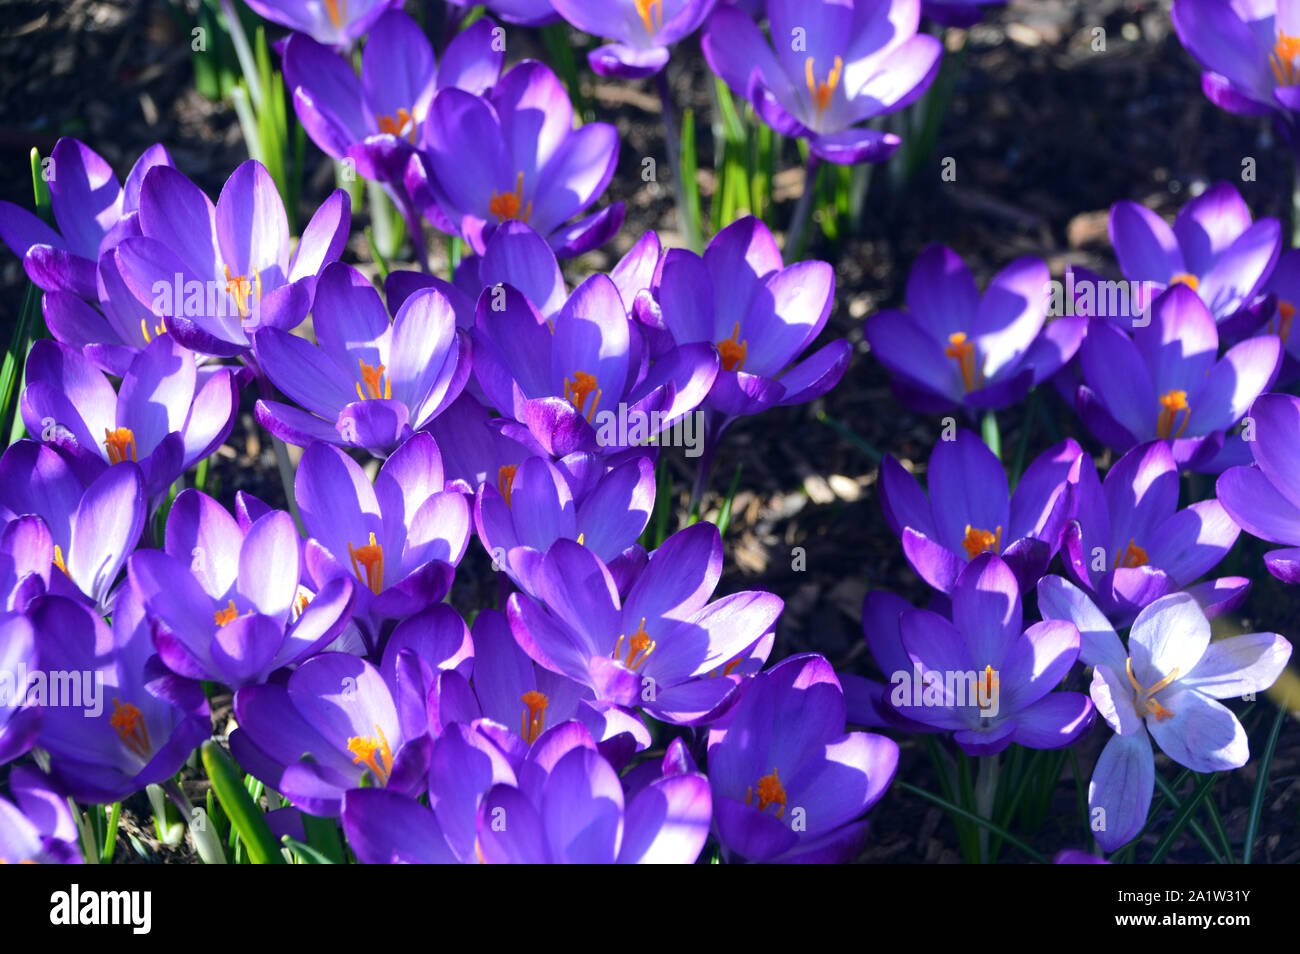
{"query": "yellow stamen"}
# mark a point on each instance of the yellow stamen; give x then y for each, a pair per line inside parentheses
(158, 329)
(370, 556)
(1283, 59)
(240, 288)
(227, 615)
(963, 352)
(652, 14)
(1131, 556)
(300, 605)
(576, 391)
(363, 749)
(770, 792)
(987, 688)
(131, 729)
(821, 93)
(402, 124)
(1144, 698)
(1282, 327)
(58, 559)
(337, 10)
(639, 646)
(581, 538)
(533, 719)
(732, 351)
(979, 541)
(116, 444)
(1184, 278)
(506, 481)
(507, 205)
(1171, 402)
(377, 385)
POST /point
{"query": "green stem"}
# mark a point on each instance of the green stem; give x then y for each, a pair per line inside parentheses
(989, 431)
(799, 221)
(1261, 786)
(986, 790)
(685, 220)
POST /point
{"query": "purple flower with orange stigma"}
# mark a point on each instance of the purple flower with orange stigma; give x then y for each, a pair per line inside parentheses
(225, 603)
(969, 510)
(332, 22)
(92, 211)
(665, 649)
(831, 65)
(135, 725)
(37, 827)
(530, 164)
(400, 537)
(211, 274)
(1250, 53)
(789, 784)
(165, 415)
(642, 31)
(1129, 544)
(1213, 249)
(368, 382)
(1284, 287)
(94, 517)
(986, 678)
(1168, 383)
(953, 347)
(333, 726)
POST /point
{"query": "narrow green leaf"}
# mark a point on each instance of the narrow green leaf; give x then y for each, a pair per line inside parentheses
(245, 816)
(1261, 786)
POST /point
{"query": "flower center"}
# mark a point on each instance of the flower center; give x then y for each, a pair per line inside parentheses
(978, 541)
(117, 442)
(770, 792)
(507, 205)
(576, 391)
(363, 750)
(962, 350)
(376, 385)
(227, 615)
(241, 289)
(300, 604)
(821, 93)
(158, 329)
(1283, 59)
(652, 14)
(337, 10)
(638, 647)
(58, 559)
(1171, 402)
(1185, 278)
(506, 481)
(533, 718)
(128, 721)
(403, 124)
(987, 688)
(732, 350)
(1131, 556)
(1282, 326)
(1145, 699)
(370, 556)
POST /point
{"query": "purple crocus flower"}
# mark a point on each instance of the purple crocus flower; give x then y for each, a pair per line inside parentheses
(377, 121)
(760, 315)
(332, 724)
(642, 31)
(1249, 52)
(521, 12)
(984, 677)
(94, 519)
(866, 700)
(830, 66)
(534, 504)
(225, 603)
(789, 785)
(969, 510)
(26, 558)
(1212, 248)
(1167, 382)
(529, 163)
(399, 537)
(581, 381)
(1264, 500)
(1283, 287)
(211, 274)
(91, 210)
(332, 22)
(956, 13)
(165, 415)
(37, 827)
(665, 648)
(954, 347)
(1165, 683)
(132, 725)
(1129, 544)
(368, 382)
(19, 721)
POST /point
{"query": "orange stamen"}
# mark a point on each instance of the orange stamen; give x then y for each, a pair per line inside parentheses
(227, 615)
(116, 444)
(533, 719)
(979, 541)
(363, 749)
(639, 646)
(576, 391)
(1283, 59)
(376, 385)
(963, 352)
(1282, 328)
(1131, 556)
(1184, 278)
(58, 559)
(507, 205)
(821, 93)
(129, 723)
(158, 329)
(987, 688)
(1144, 697)
(770, 792)
(370, 556)
(652, 14)
(398, 126)
(732, 351)
(240, 288)
(337, 10)
(506, 481)
(1171, 402)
